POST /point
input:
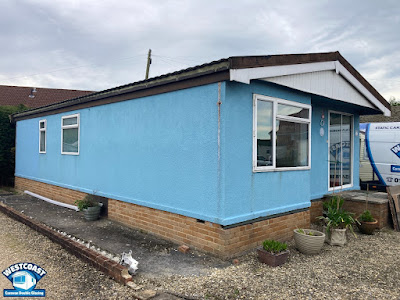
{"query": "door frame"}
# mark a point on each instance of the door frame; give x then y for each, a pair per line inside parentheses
(351, 184)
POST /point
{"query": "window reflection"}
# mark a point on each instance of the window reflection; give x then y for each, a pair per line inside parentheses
(264, 133)
(291, 144)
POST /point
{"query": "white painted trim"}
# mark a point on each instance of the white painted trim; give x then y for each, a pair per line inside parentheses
(275, 116)
(330, 189)
(248, 74)
(245, 75)
(45, 135)
(354, 82)
(52, 201)
(68, 127)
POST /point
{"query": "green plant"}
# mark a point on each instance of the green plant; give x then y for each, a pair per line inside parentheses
(366, 216)
(7, 144)
(338, 218)
(301, 231)
(335, 202)
(274, 246)
(88, 201)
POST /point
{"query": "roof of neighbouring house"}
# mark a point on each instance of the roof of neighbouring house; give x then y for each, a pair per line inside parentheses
(36, 97)
(240, 69)
(395, 117)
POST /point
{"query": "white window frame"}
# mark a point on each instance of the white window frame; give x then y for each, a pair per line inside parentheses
(351, 152)
(275, 116)
(69, 127)
(45, 135)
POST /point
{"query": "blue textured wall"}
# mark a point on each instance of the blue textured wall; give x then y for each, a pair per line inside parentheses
(162, 152)
(159, 151)
(249, 195)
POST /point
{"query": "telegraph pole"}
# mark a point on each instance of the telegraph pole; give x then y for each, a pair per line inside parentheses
(148, 64)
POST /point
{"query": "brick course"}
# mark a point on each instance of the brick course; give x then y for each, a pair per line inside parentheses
(204, 236)
(207, 236)
(49, 191)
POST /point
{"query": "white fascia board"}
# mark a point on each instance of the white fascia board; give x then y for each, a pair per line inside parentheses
(247, 74)
(362, 89)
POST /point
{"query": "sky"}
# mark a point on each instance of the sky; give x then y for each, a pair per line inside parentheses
(95, 45)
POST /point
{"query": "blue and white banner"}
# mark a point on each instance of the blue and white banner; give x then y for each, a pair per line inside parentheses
(24, 278)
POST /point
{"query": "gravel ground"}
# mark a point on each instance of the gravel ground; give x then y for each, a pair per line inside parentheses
(368, 267)
(67, 277)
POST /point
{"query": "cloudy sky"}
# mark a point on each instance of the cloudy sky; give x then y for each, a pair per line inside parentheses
(98, 44)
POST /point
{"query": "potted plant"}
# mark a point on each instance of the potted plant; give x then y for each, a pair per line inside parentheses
(337, 221)
(367, 223)
(308, 241)
(91, 208)
(273, 253)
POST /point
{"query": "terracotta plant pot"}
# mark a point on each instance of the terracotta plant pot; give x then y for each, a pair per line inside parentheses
(272, 259)
(367, 227)
(309, 244)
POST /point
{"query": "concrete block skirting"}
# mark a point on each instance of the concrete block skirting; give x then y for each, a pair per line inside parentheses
(205, 236)
(100, 262)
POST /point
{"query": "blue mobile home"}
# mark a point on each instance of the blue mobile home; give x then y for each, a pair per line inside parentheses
(199, 155)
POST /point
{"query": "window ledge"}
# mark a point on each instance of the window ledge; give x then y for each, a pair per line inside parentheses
(259, 170)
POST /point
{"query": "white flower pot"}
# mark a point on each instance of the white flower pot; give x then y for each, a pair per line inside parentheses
(336, 237)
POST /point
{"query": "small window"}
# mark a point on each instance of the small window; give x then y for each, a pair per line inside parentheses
(281, 135)
(70, 135)
(42, 136)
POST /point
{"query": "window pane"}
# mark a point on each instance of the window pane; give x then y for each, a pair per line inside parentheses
(264, 133)
(293, 111)
(41, 125)
(70, 140)
(42, 141)
(291, 144)
(346, 149)
(70, 121)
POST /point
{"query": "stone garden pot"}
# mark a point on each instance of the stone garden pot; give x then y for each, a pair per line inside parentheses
(272, 259)
(92, 213)
(309, 242)
(336, 237)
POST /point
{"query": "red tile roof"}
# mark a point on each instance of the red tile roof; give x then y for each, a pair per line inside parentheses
(35, 97)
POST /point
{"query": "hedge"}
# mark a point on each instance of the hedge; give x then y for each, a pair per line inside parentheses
(7, 144)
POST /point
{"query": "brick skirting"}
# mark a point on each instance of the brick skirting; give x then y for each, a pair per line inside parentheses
(49, 191)
(201, 235)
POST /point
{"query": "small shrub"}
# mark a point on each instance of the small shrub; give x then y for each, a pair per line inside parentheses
(366, 216)
(274, 246)
(88, 201)
(301, 231)
(333, 203)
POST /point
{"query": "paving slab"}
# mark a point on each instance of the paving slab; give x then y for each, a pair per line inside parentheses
(156, 256)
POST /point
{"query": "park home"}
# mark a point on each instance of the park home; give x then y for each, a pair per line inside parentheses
(218, 156)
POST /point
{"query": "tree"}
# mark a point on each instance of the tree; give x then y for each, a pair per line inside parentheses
(7, 144)
(393, 101)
